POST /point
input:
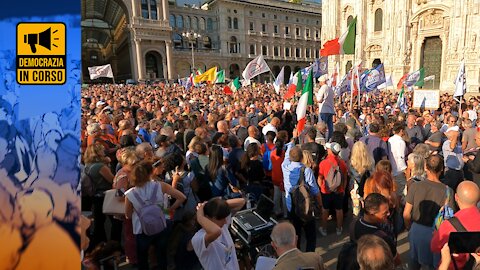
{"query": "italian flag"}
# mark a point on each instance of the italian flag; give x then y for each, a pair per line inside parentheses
(232, 87)
(342, 45)
(294, 86)
(305, 100)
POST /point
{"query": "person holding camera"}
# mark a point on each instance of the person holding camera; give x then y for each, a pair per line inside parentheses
(467, 197)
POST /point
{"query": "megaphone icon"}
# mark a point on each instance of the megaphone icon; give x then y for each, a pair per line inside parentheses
(43, 39)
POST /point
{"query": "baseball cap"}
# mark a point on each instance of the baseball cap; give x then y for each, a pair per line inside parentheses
(335, 147)
(100, 103)
(323, 78)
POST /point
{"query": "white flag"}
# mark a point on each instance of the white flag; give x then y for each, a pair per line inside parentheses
(279, 80)
(100, 71)
(255, 67)
(429, 78)
(460, 83)
(388, 82)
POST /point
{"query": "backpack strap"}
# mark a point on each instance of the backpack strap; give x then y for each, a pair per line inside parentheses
(153, 198)
(460, 228)
(457, 224)
(301, 179)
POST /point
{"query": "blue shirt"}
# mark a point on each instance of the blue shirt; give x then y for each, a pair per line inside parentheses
(291, 175)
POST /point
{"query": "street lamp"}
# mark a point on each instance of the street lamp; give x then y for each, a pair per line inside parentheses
(192, 37)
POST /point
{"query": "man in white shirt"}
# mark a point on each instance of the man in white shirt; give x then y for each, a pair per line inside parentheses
(326, 104)
(213, 243)
(397, 153)
(272, 126)
(252, 137)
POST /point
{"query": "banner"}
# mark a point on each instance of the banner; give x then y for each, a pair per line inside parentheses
(100, 71)
(255, 67)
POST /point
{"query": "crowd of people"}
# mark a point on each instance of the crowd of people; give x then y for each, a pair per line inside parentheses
(202, 155)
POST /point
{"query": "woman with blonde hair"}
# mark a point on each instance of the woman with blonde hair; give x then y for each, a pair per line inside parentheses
(308, 161)
(97, 168)
(127, 158)
(191, 154)
(360, 169)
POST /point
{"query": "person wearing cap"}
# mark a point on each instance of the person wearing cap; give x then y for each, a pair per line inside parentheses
(332, 199)
(326, 104)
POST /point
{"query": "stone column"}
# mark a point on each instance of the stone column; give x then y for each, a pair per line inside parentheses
(165, 10)
(133, 56)
(159, 11)
(140, 62)
(169, 49)
(134, 8)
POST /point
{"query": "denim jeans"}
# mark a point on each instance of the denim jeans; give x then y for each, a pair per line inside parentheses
(327, 118)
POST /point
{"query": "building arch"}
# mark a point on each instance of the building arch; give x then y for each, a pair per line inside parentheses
(153, 65)
(234, 70)
(209, 24)
(180, 21)
(275, 70)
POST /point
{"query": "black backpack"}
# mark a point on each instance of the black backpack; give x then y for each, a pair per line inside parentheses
(302, 204)
(203, 189)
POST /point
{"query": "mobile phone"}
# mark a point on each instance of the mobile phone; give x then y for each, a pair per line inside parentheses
(464, 242)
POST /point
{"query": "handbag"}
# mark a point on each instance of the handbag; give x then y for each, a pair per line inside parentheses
(113, 204)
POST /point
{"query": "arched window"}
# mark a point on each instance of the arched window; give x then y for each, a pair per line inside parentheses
(264, 50)
(307, 52)
(229, 22)
(202, 24)
(188, 21)
(180, 22)
(173, 22)
(378, 20)
(349, 20)
(195, 23)
(297, 52)
(252, 49)
(207, 42)
(287, 52)
(233, 45)
(235, 23)
(276, 51)
(145, 9)
(209, 24)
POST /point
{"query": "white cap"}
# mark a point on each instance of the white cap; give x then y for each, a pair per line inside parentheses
(323, 78)
(335, 147)
(100, 103)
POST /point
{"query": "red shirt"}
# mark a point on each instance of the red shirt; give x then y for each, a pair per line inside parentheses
(469, 217)
(277, 174)
(324, 168)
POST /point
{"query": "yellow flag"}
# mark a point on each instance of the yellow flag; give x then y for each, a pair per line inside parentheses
(208, 76)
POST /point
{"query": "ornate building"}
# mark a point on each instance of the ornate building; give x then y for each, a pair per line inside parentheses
(407, 35)
(145, 39)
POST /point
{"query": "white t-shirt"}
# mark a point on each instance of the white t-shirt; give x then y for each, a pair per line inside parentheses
(220, 254)
(248, 141)
(145, 193)
(269, 127)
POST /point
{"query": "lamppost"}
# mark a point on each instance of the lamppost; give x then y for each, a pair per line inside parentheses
(192, 37)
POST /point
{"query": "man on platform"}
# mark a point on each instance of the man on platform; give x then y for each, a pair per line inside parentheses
(326, 104)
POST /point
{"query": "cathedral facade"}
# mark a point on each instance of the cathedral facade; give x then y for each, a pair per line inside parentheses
(406, 35)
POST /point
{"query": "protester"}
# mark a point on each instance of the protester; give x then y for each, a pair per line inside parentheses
(284, 241)
(213, 130)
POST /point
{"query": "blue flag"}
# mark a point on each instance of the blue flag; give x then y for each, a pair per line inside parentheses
(374, 78)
